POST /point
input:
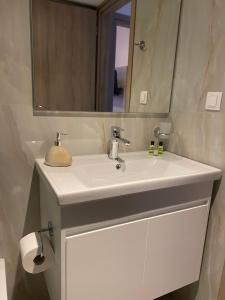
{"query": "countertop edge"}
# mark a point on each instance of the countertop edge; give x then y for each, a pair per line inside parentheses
(213, 174)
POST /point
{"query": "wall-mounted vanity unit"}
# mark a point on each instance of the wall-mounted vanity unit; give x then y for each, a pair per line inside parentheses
(128, 234)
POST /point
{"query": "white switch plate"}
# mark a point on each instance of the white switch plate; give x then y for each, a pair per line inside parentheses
(144, 97)
(213, 101)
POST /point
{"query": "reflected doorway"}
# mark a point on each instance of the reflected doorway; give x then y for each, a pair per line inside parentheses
(113, 86)
(122, 18)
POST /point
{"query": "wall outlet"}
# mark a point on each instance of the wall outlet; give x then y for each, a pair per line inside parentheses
(144, 97)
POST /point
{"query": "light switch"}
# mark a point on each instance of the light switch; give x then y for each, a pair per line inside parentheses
(144, 97)
(213, 101)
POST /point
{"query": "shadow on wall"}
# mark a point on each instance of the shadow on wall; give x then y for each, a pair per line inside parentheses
(29, 286)
(188, 292)
(215, 190)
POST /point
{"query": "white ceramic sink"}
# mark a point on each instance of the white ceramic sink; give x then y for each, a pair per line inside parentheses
(93, 177)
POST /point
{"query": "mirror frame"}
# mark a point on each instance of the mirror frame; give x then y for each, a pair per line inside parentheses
(48, 113)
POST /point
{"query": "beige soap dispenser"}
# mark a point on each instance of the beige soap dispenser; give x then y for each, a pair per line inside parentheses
(58, 156)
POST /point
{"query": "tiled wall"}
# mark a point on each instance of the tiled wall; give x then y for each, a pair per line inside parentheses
(24, 137)
(157, 23)
(199, 134)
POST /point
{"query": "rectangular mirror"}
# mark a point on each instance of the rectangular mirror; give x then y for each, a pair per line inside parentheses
(104, 56)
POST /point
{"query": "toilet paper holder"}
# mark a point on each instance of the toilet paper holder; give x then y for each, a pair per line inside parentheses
(49, 229)
(39, 259)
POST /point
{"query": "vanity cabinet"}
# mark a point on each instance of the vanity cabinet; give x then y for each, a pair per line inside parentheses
(107, 263)
(137, 260)
(136, 239)
(175, 248)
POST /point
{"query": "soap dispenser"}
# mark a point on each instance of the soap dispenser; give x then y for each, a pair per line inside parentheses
(58, 156)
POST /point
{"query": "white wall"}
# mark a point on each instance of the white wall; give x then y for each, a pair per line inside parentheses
(122, 46)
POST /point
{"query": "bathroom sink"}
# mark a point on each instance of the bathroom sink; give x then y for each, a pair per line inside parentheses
(93, 177)
(155, 206)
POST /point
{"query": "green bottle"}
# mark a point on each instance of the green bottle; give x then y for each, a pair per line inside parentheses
(151, 148)
(156, 151)
(160, 148)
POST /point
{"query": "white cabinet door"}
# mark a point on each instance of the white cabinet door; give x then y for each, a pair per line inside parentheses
(107, 264)
(175, 247)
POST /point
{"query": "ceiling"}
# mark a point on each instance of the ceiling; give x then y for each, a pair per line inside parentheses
(125, 10)
(89, 2)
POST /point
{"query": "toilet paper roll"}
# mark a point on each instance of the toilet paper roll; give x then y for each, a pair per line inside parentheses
(36, 253)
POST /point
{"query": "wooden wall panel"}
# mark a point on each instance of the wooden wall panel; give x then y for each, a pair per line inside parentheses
(64, 56)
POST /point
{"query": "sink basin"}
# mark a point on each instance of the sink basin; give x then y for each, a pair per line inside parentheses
(93, 177)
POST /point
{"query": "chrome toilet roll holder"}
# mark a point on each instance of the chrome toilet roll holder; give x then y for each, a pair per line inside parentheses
(40, 258)
(49, 229)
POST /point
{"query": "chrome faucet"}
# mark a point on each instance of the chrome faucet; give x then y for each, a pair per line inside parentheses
(114, 143)
(160, 135)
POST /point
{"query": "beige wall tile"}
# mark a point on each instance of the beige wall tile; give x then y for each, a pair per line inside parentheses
(25, 137)
(198, 134)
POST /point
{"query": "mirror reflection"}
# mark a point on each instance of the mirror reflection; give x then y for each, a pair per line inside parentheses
(114, 56)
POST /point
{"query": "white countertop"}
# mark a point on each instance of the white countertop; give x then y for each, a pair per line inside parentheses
(93, 177)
